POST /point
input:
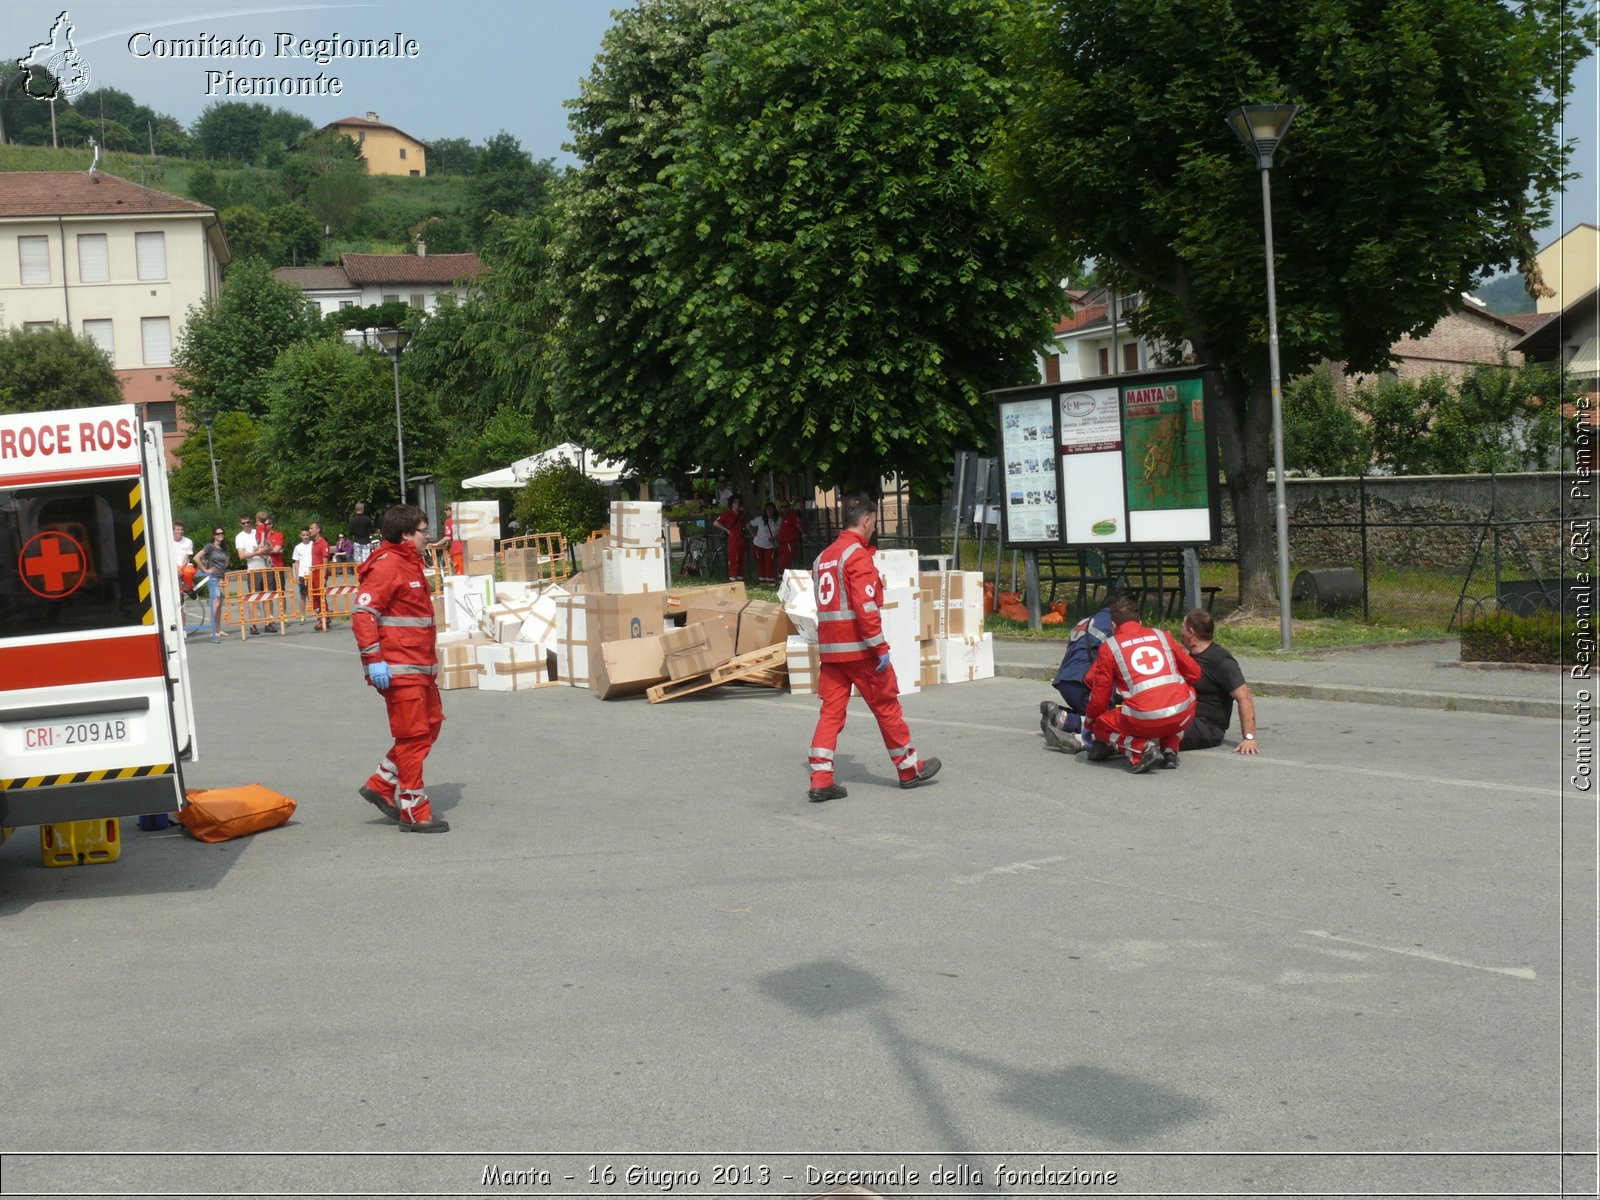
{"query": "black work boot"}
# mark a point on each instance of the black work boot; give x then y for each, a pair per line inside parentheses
(386, 807)
(833, 791)
(928, 769)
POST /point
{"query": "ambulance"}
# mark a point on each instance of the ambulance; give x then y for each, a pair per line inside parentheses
(96, 715)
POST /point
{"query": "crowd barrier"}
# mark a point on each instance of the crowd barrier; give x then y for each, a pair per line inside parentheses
(256, 596)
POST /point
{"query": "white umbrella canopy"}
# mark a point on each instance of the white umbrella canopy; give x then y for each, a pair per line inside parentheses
(519, 472)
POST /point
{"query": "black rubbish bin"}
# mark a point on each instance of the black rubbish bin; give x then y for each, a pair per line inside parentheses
(1329, 590)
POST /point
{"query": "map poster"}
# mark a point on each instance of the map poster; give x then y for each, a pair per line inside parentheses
(1028, 471)
(1165, 452)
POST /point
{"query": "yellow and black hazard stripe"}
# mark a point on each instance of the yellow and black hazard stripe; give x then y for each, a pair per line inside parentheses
(141, 554)
(113, 775)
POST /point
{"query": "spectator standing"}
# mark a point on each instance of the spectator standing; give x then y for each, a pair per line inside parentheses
(244, 542)
(1220, 685)
(766, 540)
(211, 560)
(393, 623)
(724, 493)
(1155, 679)
(182, 547)
(274, 539)
(855, 654)
(359, 527)
(320, 556)
(343, 549)
(788, 538)
(732, 523)
(302, 571)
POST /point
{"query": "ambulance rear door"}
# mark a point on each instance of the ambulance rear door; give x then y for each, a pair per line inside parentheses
(168, 595)
(86, 691)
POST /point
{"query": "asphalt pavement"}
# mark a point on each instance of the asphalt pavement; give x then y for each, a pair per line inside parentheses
(1362, 961)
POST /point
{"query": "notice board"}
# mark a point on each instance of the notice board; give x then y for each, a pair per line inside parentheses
(1119, 460)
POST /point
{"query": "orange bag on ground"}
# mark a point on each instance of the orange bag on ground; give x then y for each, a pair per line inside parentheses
(218, 814)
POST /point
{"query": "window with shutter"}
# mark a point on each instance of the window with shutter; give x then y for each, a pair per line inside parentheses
(1105, 361)
(418, 300)
(152, 254)
(34, 256)
(391, 298)
(164, 411)
(99, 332)
(94, 264)
(1130, 357)
(38, 326)
(156, 333)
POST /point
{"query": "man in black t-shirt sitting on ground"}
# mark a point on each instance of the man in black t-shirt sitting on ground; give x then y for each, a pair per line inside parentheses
(1221, 683)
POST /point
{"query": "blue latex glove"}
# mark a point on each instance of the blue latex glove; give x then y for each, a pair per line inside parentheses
(883, 663)
(378, 673)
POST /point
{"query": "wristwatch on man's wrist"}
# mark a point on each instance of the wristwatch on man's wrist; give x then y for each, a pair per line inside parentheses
(1249, 737)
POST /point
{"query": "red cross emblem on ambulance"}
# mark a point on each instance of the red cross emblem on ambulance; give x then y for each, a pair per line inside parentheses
(52, 565)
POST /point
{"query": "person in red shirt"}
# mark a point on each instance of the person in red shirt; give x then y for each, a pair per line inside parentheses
(1155, 677)
(319, 556)
(855, 654)
(732, 523)
(788, 538)
(393, 623)
(273, 537)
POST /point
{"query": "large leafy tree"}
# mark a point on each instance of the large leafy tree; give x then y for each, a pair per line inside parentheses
(229, 342)
(1426, 151)
(799, 222)
(53, 369)
(245, 132)
(329, 433)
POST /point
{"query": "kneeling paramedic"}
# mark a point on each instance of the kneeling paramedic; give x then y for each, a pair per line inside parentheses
(854, 653)
(1155, 677)
(393, 623)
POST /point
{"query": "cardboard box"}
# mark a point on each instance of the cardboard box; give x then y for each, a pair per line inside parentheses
(805, 665)
(628, 667)
(571, 644)
(681, 596)
(899, 612)
(514, 668)
(957, 602)
(539, 625)
(583, 583)
(761, 623)
(478, 556)
(962, 659)
(439, 621)
(898, 568)
(458, 664)
(474, 519)
(611, 618)
(515, 592)
(797, 594)
(503, 622)
(466, 598)
(695, 649)
(591, 556)
(635, 523)
(628, 571)
(927, 622)
(928, 658)
(716, 608)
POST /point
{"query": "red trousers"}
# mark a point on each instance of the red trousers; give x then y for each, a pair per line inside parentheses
(786, 553)
(764, 557)
(415, 717)
(1125, 733)
(736, 550)
(882, 694)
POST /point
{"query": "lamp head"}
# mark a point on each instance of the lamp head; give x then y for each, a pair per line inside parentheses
(1261, 127)
(208, 417)
(392, 340)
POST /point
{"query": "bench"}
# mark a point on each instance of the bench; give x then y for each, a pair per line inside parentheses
(1154, 576)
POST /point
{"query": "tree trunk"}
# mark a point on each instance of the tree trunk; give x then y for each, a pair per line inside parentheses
(1244, 435)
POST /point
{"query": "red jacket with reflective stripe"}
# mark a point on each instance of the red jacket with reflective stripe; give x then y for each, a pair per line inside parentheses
(393, 613)
(1153, 673)
(849, 590)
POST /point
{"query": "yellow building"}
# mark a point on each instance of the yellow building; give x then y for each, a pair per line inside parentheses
(1570, 266)
(387, 150)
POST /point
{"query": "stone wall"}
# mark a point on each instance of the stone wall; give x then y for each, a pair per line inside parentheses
(1429, 521)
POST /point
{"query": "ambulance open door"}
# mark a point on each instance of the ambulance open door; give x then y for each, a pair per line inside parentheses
(92, 689)
(169, 610)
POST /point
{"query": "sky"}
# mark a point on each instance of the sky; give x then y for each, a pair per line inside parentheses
(479, 66)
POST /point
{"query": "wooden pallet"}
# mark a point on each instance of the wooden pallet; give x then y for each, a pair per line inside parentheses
(766, 667)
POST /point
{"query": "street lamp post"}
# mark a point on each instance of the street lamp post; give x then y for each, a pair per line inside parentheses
(394, 342)
(208, 418)
(1261, 127)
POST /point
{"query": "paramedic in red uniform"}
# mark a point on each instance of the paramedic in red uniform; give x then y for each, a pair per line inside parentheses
(393, 623)
(732, 523)
(854, 654)
(1154, 676)
(788, 538)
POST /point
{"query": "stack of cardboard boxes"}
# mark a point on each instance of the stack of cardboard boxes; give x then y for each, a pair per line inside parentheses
(932, 621)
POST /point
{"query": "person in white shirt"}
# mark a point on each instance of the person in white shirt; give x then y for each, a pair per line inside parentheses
(246, 544)
(182, 547)
(766, 538)
(302, 568)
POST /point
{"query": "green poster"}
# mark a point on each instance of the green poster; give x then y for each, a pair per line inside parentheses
(1164, 450)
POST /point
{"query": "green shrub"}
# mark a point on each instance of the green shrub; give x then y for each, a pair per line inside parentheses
(1504, 637)
(562, 499)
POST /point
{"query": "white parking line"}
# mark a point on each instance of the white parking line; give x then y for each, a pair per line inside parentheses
(1416, 952)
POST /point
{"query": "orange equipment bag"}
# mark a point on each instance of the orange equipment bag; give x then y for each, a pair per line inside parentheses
(218, 814)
